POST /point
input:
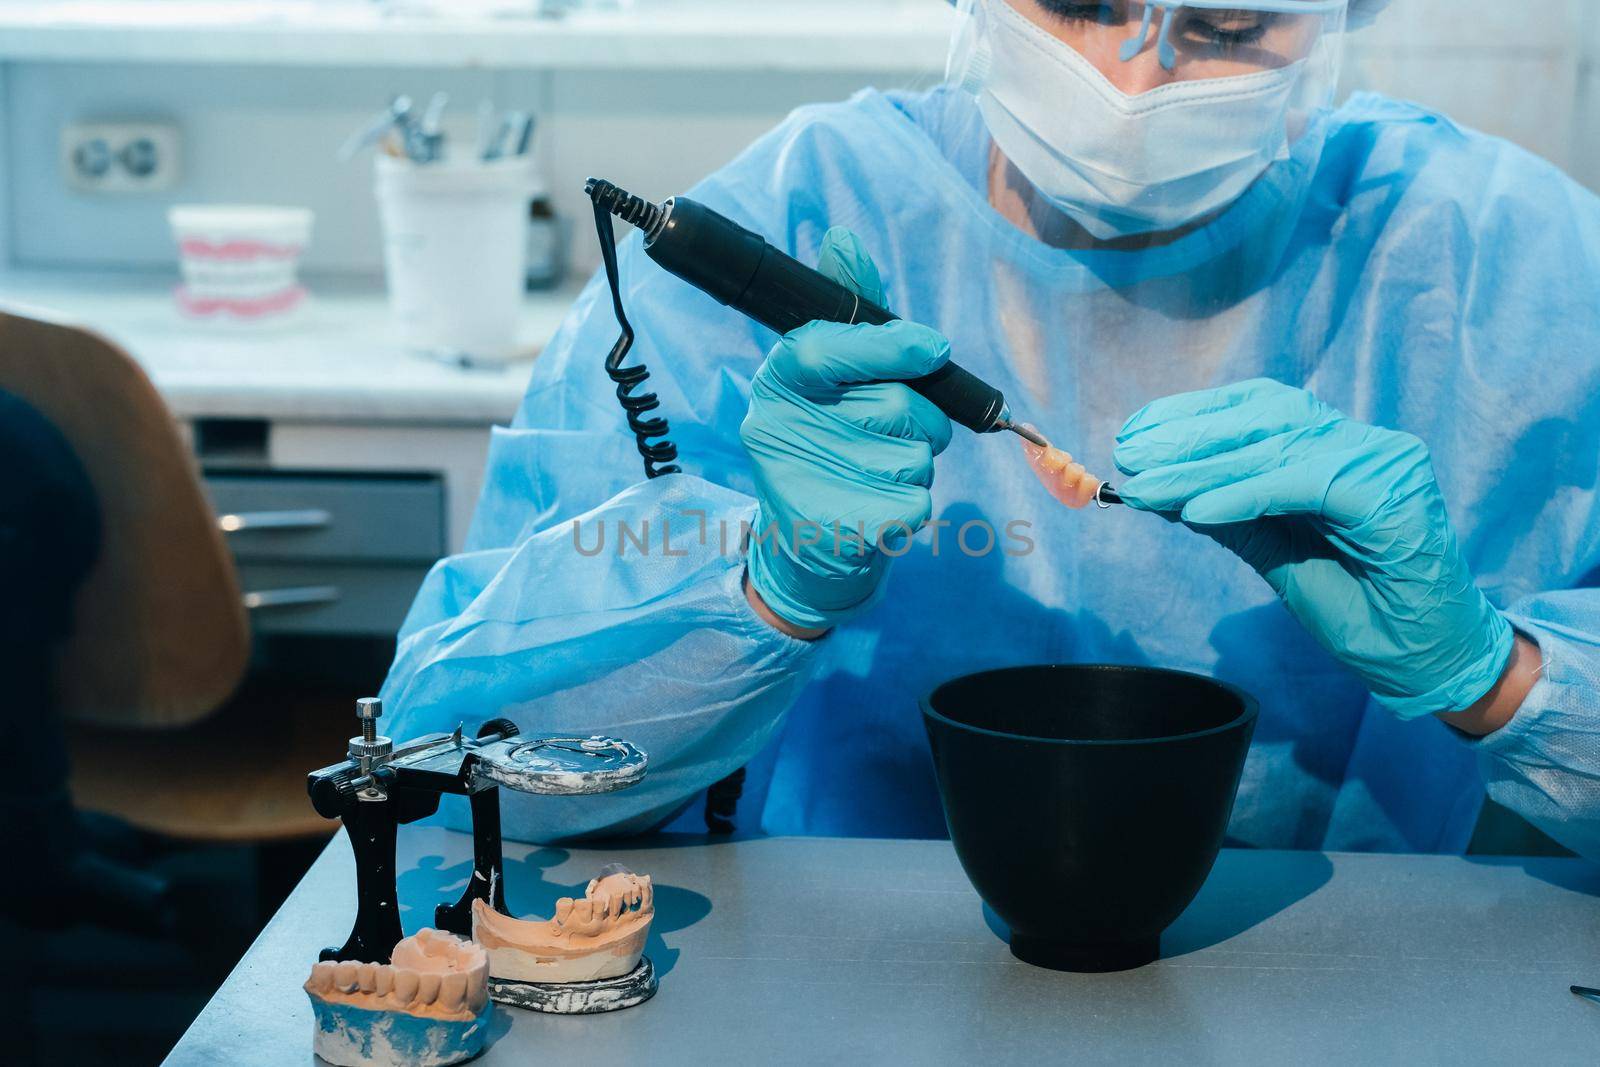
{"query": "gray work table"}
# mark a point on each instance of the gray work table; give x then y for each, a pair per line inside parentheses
(816, 949)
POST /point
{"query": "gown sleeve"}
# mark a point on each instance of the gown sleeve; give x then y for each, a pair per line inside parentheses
(1534, 300)
(1545, 763)
(592, 601)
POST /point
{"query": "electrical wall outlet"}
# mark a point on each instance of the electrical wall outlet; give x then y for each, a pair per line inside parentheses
(119, 157)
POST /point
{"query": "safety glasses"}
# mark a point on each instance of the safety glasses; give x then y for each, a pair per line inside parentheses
(1167, 52)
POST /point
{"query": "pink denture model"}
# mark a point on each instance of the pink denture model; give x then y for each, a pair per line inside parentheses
(1066, 479)
(600, 936)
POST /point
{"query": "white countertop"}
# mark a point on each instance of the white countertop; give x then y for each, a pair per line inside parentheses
(811, 950)
(338, 360)
(872, 35)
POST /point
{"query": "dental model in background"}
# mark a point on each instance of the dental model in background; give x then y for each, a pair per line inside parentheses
(601, 936)
(427, 1008)
(239, 261)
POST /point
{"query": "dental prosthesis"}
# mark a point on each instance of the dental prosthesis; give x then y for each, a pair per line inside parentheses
(599, 937)
(428, 1007)
(1066, 479)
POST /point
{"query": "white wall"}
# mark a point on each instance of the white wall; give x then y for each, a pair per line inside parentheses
(1523, 70)
(269, 134)
(1527, 71)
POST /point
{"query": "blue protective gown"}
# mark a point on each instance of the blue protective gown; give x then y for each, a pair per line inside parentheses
(1422, 277)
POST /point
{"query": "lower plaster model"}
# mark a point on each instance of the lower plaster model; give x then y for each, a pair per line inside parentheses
(600, 936)
(427, 1008)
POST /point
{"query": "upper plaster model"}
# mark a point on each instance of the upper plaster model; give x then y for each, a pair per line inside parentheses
(600, 936)
(428, 1007)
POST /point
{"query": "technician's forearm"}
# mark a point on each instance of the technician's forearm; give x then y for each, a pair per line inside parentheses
(768, 616)
(1501, 702)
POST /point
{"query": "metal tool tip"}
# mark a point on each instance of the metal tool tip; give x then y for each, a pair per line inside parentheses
(1105, 496)
(1027, 433)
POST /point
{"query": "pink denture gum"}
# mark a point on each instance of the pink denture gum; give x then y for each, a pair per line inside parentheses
(1068, 481)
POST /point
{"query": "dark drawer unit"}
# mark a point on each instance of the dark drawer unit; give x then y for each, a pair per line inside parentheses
(329, 553)
(345, 517)
(328, 598)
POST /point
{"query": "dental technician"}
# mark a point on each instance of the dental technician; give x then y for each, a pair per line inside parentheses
(1346, 361)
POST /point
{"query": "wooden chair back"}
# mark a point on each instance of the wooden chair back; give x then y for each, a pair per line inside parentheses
(160, 635)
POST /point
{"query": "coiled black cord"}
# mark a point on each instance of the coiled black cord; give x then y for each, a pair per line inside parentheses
(722, 798)
(648, 433)
(624, 205)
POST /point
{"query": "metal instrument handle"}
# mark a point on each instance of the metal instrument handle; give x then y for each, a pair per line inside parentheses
(294, 596)
(301, 519)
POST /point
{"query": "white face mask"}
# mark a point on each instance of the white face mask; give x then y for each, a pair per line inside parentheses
(1119, 164)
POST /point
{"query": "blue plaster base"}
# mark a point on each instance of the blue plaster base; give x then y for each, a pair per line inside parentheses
(360, 1037)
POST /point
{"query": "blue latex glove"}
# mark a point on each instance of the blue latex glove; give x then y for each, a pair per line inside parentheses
(1343, 520)
(843, 457)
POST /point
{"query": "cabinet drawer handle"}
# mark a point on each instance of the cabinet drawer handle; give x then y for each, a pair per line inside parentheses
(291, 597)
(303, 519)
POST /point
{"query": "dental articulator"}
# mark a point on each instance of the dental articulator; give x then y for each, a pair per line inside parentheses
(384, 999)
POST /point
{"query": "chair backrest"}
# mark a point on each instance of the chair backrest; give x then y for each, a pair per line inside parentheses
(160, 637)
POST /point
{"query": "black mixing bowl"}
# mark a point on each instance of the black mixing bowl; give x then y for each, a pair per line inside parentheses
(1087, 803)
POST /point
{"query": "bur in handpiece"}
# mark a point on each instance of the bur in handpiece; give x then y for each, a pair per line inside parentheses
(1065, 479)
(1022, 430)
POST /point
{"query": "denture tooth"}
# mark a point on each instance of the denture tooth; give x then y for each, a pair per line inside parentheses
(563, 910)
(406, 983)
(581, 919)
(1072, 485)
(427, 987)
(648, 894)
(382, 980)
(346, 976)
(321, 979)
(366, 977)
(478, 986)
(452, 990)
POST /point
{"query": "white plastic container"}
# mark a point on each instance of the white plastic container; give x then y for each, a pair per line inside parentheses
(240, 262)
(454, 250)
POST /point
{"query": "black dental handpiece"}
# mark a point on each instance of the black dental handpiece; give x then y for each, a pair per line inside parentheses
(737, 267)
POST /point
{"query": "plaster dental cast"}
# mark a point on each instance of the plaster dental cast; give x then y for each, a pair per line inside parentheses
(1345, 358)
(599, 936)
(429, 1006)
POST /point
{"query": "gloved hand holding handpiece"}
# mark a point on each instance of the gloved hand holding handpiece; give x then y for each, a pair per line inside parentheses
(843, 453)
(1343, 520)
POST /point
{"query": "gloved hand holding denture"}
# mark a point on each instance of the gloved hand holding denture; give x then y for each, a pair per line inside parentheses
(843, 453)
(1343, 520)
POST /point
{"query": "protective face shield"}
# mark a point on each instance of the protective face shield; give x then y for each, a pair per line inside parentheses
(1141, 117)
